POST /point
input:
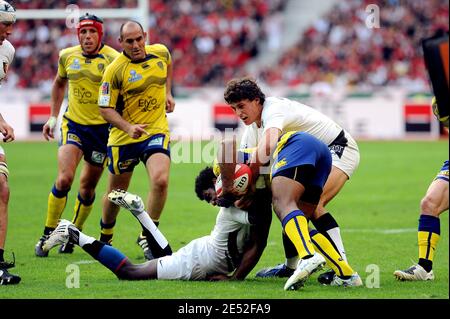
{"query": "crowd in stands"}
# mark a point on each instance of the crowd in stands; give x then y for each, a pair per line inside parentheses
(62, 4)
(209, 39)
(341, 48)
(212, 40)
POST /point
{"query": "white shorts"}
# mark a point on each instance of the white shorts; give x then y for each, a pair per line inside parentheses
(195, 261)
(349, 160)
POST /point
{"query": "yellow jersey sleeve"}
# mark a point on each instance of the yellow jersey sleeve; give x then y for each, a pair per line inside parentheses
(137, 91)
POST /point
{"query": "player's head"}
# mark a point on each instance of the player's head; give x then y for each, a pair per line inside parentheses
(132, 39)
(90, 33)
(7, 19)
(204, 185)
(245, 98)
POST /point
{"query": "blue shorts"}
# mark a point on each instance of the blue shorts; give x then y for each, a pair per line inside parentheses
(91, 139)
(443, 173)
(300, 150)
(124, 158)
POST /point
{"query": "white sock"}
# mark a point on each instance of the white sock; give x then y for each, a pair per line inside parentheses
(147, 222)
(84, 239)
(291, 262)
(335, 234)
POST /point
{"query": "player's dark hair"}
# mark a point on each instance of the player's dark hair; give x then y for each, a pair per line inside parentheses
(243, 89)
(130, 21)
(204, 181)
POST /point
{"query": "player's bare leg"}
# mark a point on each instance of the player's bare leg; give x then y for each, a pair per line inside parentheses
(111, 210)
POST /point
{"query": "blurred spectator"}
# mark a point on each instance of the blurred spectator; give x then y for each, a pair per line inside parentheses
(210, 40)
(341, 48)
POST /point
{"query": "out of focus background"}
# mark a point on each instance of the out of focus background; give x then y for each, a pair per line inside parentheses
(358, 61)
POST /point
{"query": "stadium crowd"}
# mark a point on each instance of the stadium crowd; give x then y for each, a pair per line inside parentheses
(340, 46)
(211, 41)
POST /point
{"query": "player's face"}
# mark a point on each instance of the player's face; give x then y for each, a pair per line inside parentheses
(5, 31)
(248, 111)
(210, 196)
(89, 38)
(133, 43)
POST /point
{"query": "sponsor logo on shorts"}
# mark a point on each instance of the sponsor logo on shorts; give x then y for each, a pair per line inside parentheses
(156, 141)
(73, 138)
(126, 164)
(98, 157)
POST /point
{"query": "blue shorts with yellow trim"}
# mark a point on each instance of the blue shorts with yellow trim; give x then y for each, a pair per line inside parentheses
(443, 173)
(91, 139)
(124, 158)
(300, 149)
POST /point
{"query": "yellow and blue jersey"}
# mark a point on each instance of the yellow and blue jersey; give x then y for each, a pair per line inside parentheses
(84, 74)
(137, 91)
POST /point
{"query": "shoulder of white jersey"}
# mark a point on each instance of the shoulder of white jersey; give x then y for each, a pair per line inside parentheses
(7, 51)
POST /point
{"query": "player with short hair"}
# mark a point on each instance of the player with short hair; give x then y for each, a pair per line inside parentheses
(84, 132)
(230, 252)
(432, 206)
(7, 19)
(266, 118)
(134, 98)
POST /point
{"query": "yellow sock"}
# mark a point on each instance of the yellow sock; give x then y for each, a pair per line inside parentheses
(56, 203)
(295, 226)
(81, 211)
(107, 232)
(327, 250)
(428, 236)
(427, 244)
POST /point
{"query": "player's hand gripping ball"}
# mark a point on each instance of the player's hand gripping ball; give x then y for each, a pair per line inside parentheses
(242, 180)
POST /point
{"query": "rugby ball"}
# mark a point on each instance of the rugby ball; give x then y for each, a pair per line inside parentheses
(242, 179)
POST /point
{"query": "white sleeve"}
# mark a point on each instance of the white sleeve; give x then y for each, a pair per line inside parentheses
(273, 116)
(6, 57)
(248, 139)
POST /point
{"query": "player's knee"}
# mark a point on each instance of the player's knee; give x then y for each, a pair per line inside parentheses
(161, 182)
(4, 192)
(64, 181)
(429, 204)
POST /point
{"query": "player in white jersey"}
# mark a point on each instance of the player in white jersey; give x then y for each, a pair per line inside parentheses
(267, 119)
(7, 19)
(230, 252)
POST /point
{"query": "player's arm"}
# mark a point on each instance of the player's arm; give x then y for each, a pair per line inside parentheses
(6, 130)
(258, 241)
(113, 117)
(170, 101)
(56, 100)
(264, 151)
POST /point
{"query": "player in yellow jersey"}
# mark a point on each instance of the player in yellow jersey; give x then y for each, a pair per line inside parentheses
(134, 97)
(84, 132)
(432, 205)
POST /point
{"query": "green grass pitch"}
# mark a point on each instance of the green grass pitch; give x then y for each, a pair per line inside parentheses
(377, 211)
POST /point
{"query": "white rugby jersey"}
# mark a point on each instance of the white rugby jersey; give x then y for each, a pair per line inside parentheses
(230, 235)
(288, 115)
(6, 57)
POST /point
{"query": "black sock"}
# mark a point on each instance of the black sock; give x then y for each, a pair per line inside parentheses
(289, 248)
(48, 230)
(155, 248)
(1, 254)
(323, 224)
(94, 248)
(426, 264)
